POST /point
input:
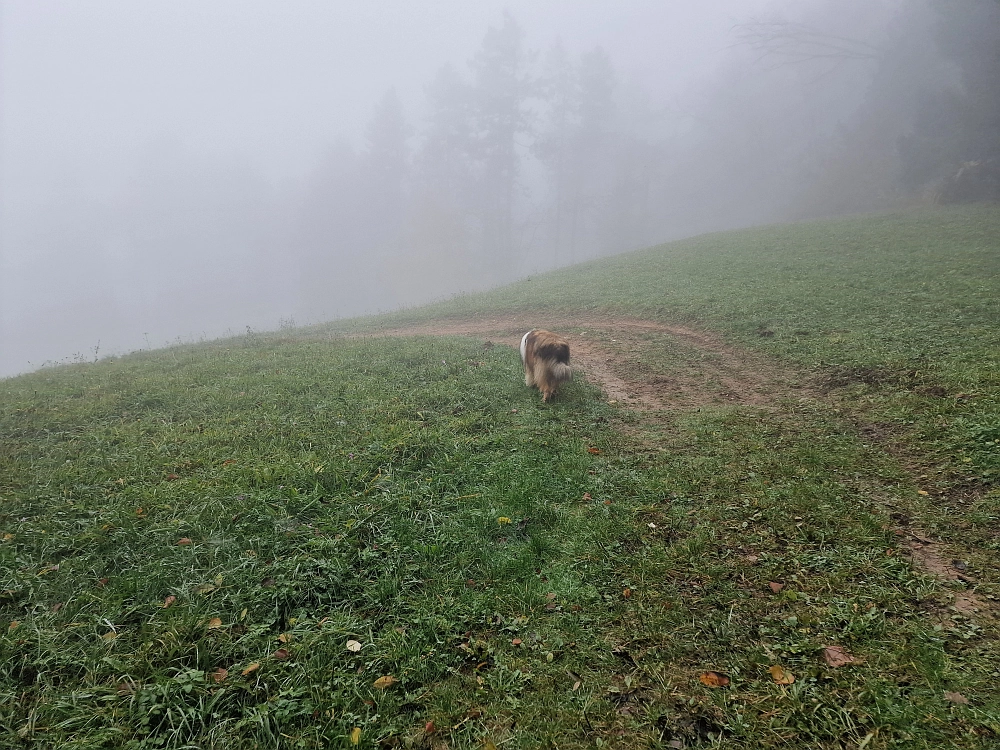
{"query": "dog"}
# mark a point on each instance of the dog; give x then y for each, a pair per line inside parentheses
(546, 361)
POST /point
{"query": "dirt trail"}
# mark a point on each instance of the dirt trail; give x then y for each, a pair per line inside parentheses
(609, 351)
(604, 349)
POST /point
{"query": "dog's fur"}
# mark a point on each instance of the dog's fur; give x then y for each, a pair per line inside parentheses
(546, 361)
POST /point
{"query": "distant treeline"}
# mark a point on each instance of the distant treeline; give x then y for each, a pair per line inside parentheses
(517, 161)
(530, 160)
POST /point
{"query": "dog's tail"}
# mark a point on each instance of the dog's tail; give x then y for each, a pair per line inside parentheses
(561, 371)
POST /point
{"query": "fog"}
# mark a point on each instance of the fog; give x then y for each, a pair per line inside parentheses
(175, 171)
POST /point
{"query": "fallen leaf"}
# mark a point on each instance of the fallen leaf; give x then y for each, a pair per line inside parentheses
(627, 593)
(836, 656)
(429, 727)
(923, 492)
(356, 736)
(228, 461)
(168, 601)
(220, 674)
(775, 586)
(516, 642)
(586, 496)
(713, 679)
(214, 623)
(956, 698)
(13, 624)
(488, 745)
(285, 637)
(781, 675)
(172, 477)
(183, 541)
(354, 646)
(385, 682)
(594, 451)
(576, 685)
(251, 668)
(503, 520)
(281, 654)
(110, 635)
(102, 583)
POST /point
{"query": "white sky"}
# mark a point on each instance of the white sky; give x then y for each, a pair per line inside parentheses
(85, 85)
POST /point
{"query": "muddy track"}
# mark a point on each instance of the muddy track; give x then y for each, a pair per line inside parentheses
(709, 372)
(603, 348)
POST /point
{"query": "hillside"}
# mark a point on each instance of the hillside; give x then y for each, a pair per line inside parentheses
(765, 514)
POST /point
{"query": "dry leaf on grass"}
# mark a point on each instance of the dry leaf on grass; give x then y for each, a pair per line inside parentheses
(214, 623)
(356, 736)
(220, 674)
(837, 656)
(252, 668)
(713, 679)
(385, 682)
(956, 698)
(354, 646)
(775, 586)
(781, 675)
(168, 601)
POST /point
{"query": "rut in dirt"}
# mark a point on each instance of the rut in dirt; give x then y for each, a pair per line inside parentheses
(714, 373)
(708, 372)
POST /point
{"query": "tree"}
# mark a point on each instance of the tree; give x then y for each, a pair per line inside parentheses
(954, 143)
(443, 163)
(559, 87)
(501, 89)
(386, 165)
(577, 146)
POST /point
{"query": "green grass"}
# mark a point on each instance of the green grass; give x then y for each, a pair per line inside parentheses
(293, 494)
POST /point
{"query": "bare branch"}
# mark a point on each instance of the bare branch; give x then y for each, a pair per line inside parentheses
(788, 43)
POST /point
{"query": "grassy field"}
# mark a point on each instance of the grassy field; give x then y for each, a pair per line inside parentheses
(301, 540)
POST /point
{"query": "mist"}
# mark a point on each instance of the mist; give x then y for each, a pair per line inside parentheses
(172, 172)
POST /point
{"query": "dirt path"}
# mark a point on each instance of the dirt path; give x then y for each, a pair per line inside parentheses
(705, 371)
(604, 351)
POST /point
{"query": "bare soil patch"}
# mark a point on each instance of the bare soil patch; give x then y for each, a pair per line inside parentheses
(601, 351)
(606, 350)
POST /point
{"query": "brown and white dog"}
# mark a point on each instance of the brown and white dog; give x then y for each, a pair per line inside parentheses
(546, 361)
